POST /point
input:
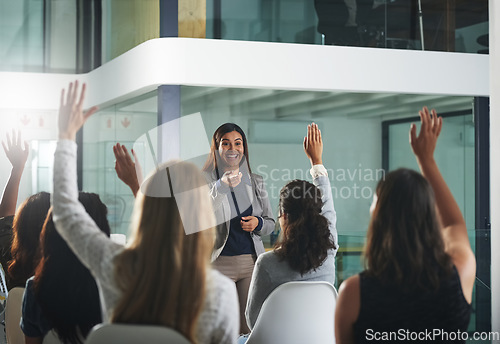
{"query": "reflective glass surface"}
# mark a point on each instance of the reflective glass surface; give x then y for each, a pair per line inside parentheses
(124, 123)
(400, 24)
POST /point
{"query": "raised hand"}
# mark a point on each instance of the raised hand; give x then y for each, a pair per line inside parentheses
(16, 154)
(71, 115)
(125, 168)
(17, 157)
(313, 144)
(424, 144)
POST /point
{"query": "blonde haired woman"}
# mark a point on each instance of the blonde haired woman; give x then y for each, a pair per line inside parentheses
(163, 276)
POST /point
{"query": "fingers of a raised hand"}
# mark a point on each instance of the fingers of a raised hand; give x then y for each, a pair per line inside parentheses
(18, 138)
(61, 102)
(5, 149)
(439, 126)
(26, 147)
(69, 94)
(8, 139)
(127, 155)
(115, 150)
(90, 112)
(135, 155)
(413, 134)
(305, 142)
(74, 94)
(82, 95)
(423, 121)
(434, 120)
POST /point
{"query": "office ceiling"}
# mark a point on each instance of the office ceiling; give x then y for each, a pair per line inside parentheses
(285, 104)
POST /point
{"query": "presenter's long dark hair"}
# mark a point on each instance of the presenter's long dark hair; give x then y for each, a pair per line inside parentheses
(64, 288)
(212, 162)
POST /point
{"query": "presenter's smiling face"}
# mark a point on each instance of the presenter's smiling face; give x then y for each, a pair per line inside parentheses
(231, 149)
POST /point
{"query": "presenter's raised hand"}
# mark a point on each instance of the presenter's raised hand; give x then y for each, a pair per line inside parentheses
(125, 168)
(313, 144)
(71, 114)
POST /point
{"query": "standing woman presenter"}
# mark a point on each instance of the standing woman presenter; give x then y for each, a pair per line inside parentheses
(242, 210)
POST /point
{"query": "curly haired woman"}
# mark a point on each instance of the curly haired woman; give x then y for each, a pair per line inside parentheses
(308, 247)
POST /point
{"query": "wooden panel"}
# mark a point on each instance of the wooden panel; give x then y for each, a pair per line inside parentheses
(192, 18)
(132, 22)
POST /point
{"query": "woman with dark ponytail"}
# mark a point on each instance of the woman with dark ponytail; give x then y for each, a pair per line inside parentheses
(306, 251)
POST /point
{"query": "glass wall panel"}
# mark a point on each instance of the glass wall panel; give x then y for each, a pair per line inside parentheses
(39, 129)
(454, 154)
(124, 123)
(398, 24)
(21, 35)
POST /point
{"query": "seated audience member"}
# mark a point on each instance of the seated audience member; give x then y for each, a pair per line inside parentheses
(63, 295)
(307, 249)
(163, 276)
(420, 268)
(26, 229)
(17, 156)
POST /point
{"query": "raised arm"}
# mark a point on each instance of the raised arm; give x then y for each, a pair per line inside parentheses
(93, 248)
(454, 231)
(313, 147)
(125, 168)
(17, 156)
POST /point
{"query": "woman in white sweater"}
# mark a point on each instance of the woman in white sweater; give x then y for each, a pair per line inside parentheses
(163, 276)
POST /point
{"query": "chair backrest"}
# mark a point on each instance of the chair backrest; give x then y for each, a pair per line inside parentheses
(133, 334)
(297, 313)
(51, 338)
(13, 316)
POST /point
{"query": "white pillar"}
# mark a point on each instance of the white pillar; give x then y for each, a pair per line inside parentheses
(494, 13)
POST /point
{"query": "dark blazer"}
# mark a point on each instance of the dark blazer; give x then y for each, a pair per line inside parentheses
(260, 205)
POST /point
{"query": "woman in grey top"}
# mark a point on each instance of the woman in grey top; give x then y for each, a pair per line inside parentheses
(309, 242)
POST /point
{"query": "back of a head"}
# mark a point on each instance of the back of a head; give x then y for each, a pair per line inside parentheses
(71, 303)
(306, 240)
(26, 228)
(163, 271)
(404, 242)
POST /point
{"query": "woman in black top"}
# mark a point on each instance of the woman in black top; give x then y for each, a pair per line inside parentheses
(420, 268)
